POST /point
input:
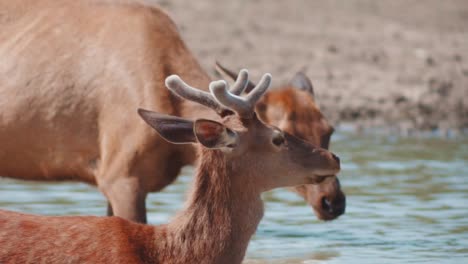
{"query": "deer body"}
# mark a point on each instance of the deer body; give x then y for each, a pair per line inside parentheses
(66, 68)
(215, 227)
(240, 157)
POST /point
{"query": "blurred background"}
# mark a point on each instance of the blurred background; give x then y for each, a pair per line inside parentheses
(401, 64)
(391, 76)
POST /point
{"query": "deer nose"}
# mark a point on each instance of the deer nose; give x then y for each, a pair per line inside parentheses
(334, 207)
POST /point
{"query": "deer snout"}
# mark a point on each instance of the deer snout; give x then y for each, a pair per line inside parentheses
(329, 162)
(326, 198)
(331, 206)
(323, 164)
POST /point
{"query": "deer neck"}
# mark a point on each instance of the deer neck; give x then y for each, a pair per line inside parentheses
(220, 217)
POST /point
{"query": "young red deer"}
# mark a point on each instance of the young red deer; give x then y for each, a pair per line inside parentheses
(292, 108)
(240, 157)
(70, 70)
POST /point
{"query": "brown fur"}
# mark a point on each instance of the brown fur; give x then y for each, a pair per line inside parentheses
(73, 74)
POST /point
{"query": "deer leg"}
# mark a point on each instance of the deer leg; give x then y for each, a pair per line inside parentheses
(126, 199)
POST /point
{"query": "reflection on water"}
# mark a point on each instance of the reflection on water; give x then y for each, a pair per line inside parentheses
(407, 202)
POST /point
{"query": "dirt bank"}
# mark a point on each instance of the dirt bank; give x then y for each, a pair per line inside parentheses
(400, 64)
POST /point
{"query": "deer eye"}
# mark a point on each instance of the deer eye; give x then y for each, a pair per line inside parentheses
(278, 138)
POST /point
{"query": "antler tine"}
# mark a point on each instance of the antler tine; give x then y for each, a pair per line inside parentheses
(258, 91)
(244, 107)
(231, 101)
(241, 82)
(179, 87)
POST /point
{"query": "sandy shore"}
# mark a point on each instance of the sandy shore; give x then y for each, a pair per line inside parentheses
(399, 64)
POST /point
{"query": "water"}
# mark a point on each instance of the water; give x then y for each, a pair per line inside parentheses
(407, 202)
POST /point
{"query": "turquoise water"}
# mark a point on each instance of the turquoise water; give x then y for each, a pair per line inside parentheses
(407, 202)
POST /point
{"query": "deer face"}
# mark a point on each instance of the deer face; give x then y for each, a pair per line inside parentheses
(279, 157)
(268, 156)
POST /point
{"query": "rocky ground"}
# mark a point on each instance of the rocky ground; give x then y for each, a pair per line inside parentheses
(400, 64)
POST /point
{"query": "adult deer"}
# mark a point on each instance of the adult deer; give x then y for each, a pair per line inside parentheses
(240, 157)
(70, 71)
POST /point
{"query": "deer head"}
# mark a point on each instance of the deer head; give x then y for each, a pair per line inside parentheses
(293, 109)
(268, 156)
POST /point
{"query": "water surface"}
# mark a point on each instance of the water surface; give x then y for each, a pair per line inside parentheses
(407, 202)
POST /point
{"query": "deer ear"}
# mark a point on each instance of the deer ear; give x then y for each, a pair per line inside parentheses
(214, 135)
(302, 82)
(173, 129)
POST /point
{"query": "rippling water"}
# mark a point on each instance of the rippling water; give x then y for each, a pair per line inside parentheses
(407, 202)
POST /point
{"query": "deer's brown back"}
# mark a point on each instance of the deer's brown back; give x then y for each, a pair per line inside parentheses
(73, 239)
(67, 68)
